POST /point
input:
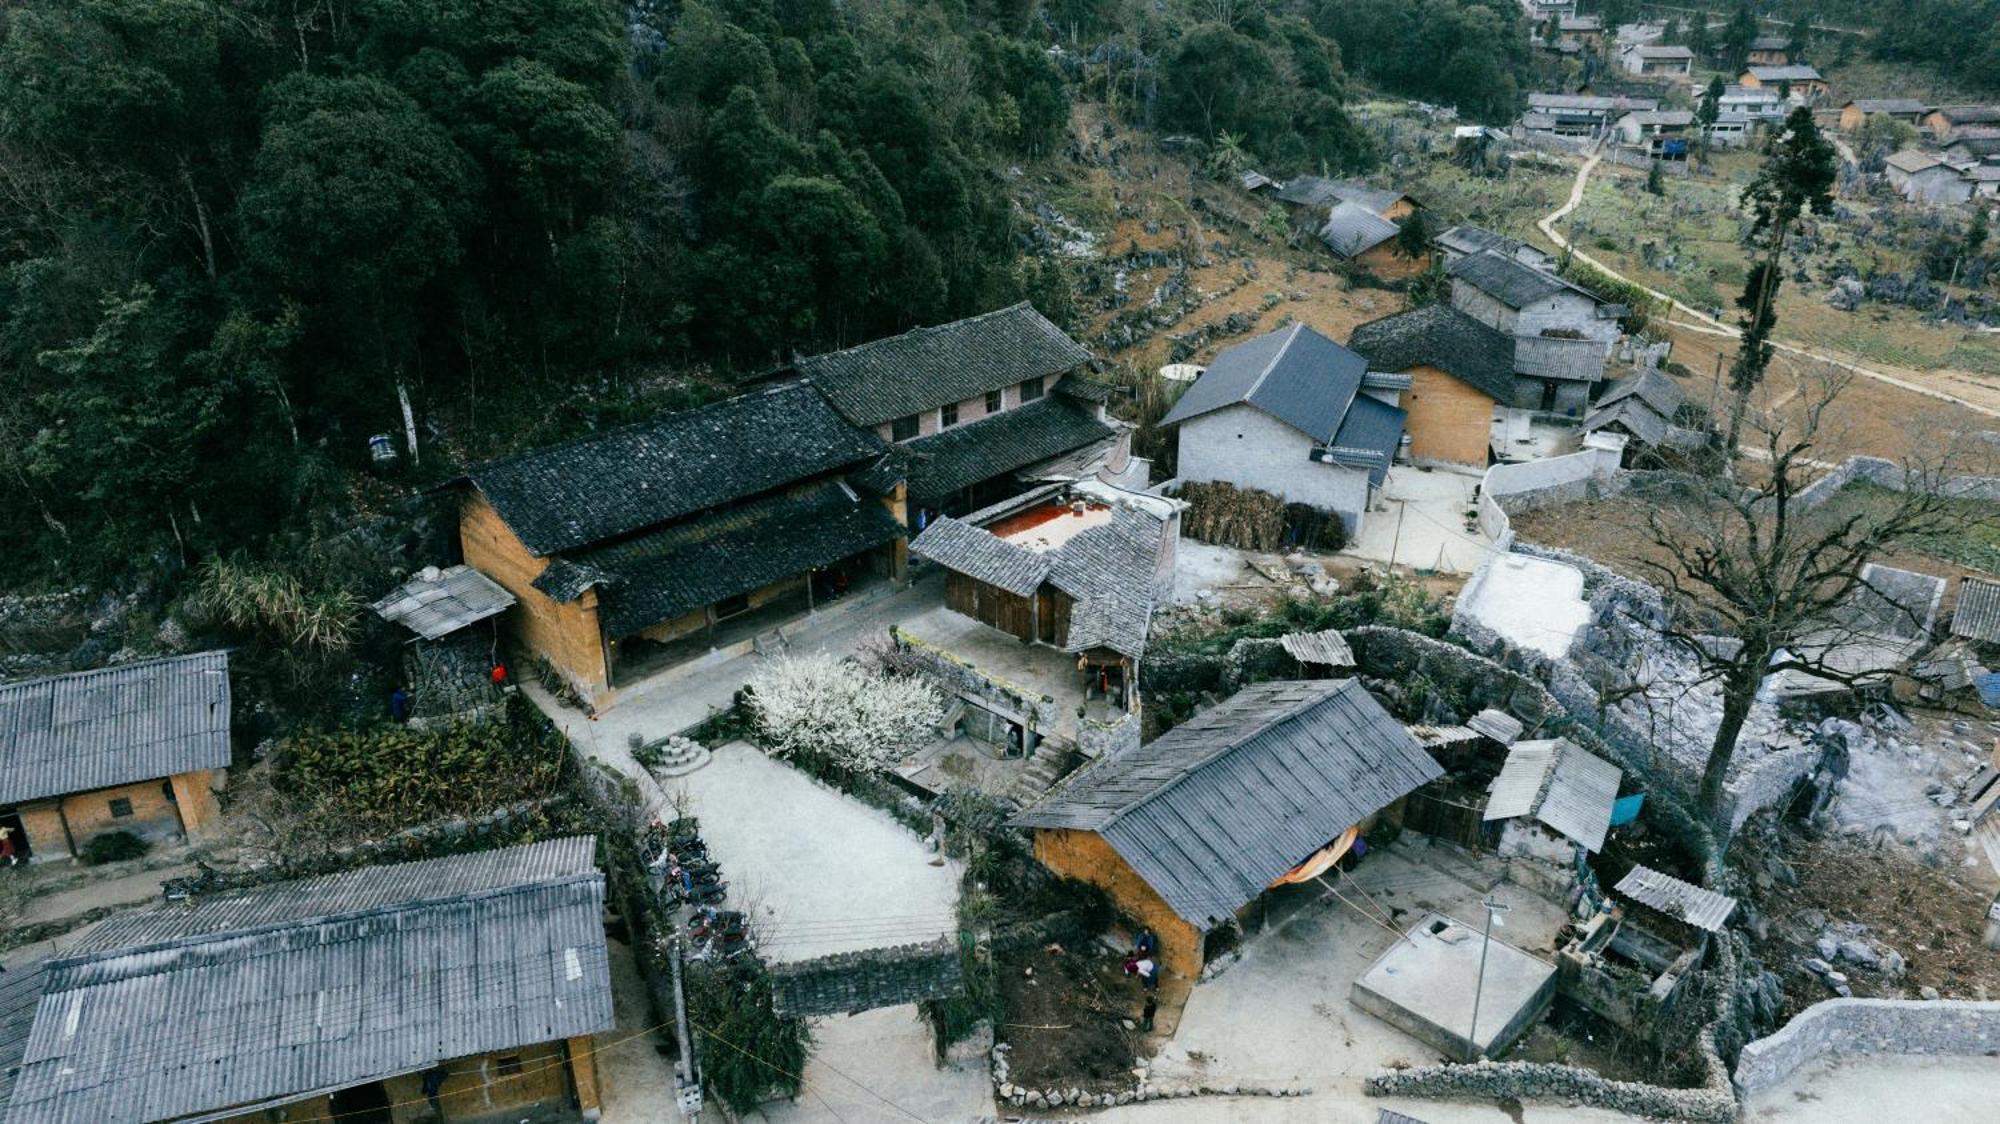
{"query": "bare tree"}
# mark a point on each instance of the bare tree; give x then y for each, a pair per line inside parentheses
(1761, 581)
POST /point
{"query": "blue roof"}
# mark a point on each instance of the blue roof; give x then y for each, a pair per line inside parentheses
(1293, 374)
(1369, 436)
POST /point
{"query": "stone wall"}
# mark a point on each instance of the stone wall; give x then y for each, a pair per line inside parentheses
(849, 982)
(1096, 739)
(1535, 1081)
(961, 678)
(1888, 474)
(1845, 1027)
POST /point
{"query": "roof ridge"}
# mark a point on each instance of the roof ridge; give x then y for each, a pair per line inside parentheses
(61, 962)
(1291, 337)
(131, 665)
(1234, 743)
(597, 435)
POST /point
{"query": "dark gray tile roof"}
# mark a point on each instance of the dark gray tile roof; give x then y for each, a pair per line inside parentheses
(929, 367)
(1956, 115)
(850, 982)
(1895, 602)
(1351, 230)
(1771, 43)
(1293, 374)
(438, 603)
(115, 725)
(1590, 102)
(1888, 105)
(1440, 336)
(1080, 389)
(624, 480)
(264, 993)
(1652, 386)
(1368, 437)
(1631, 414)
(1793, 73)
(1507, 280)
(1559, 783)
(943, 463)
(1315, 191)
(21, 990)
(1108, 573)
(660, 575)
(976, 553)
(1701, 908)
(1977, 616)
(1212, 811)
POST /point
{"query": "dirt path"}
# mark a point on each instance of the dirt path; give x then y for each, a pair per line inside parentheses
(1704, 323)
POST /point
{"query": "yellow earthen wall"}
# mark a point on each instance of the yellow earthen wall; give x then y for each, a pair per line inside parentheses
(1084, 855)
(476, 1087)
(1449, 420)
(566, 633)
(1384, 261)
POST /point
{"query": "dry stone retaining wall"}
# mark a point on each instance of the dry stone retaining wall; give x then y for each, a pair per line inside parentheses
(1843, 1027)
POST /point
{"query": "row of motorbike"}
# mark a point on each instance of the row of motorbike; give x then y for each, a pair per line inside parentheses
(685, 874)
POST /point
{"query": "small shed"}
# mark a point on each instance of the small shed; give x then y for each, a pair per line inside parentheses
(1557, 784)
(1977, 616)
(1663, 893)
(449, 663)
(1326, 649)
(1498, 725)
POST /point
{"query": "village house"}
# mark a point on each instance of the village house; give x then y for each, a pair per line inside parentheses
(458, 988)
(1551, 799)
(447, 664)
(1770, 50)
(640, 547)
(979, 409)
(1562, 333)
(1451, 371)
(1974, 144)
(1356, 234)
(1540, 12)
(1076, 567)
(138, 748)
(1586, 31)
(1756, 103)
(1925, 177)
(1186, 831)
(1464, 241)
(1656, 61)
(1661, 133)
(1805, 84)
(1284, 413)
(1947, 121)
(1645, 407)
(1578, 116)
(1857, 112)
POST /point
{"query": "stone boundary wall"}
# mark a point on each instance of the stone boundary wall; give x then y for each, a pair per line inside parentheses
(1848, 1027)
(846, 983)
(1888, 474)
(1536, 1081)
(963, 678)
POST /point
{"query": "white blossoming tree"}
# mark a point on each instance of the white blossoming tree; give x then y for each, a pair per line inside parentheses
(835, 711)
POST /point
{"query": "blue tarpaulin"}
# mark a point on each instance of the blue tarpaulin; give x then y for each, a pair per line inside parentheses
(1626, 809)
(1988, 686)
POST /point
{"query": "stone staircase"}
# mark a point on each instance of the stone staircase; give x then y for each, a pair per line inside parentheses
(1049, 765)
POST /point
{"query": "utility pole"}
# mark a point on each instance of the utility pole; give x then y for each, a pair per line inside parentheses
(1486, 941)
(687, 1078)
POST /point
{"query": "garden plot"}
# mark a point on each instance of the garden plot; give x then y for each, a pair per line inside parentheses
(818, 873)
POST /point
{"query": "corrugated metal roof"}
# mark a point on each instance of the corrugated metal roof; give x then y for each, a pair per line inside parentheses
(436, 603)
(1704, 909)
(1293, 374)
(21, 992)
(115, 725)
(1498, 725)
(1213, 810)
(1558, 783)
(1368, 437)
(1351, 230)
(1328, 648)
(327, 982)
(1977, 616)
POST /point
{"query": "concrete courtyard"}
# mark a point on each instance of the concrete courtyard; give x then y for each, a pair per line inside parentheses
(818, 872)
(1281, 1016)
(1418, 521)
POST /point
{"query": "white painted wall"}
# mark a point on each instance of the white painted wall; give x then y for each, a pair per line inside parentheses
(1245, 446)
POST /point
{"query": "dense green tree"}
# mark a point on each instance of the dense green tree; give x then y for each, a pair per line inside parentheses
(1737, 35)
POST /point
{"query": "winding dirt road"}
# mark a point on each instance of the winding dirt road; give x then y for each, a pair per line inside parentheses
(1702, 322)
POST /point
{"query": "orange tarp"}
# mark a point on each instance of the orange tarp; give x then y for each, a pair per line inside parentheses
(1320, 861)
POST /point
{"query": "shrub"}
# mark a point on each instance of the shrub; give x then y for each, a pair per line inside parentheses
(114, 847)
(837, 715)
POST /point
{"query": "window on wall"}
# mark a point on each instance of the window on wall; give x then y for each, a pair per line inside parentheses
(509, 1066)
(948, 416)
(121, 808)
(732, 606)
(1031, 390)
(902, 429)
(996, 401)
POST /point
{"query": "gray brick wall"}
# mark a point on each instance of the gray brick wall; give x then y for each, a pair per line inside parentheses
(1249, 448)
(1848, 1027)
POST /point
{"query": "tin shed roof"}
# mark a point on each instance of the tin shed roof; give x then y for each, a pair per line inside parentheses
(1212, 811)
(260, 994)
(1977, 616)
(115, 725)
(1558, 783)
(1704, 909)
(436, 603)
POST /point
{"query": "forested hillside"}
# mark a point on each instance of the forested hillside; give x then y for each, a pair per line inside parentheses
(232, 230)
